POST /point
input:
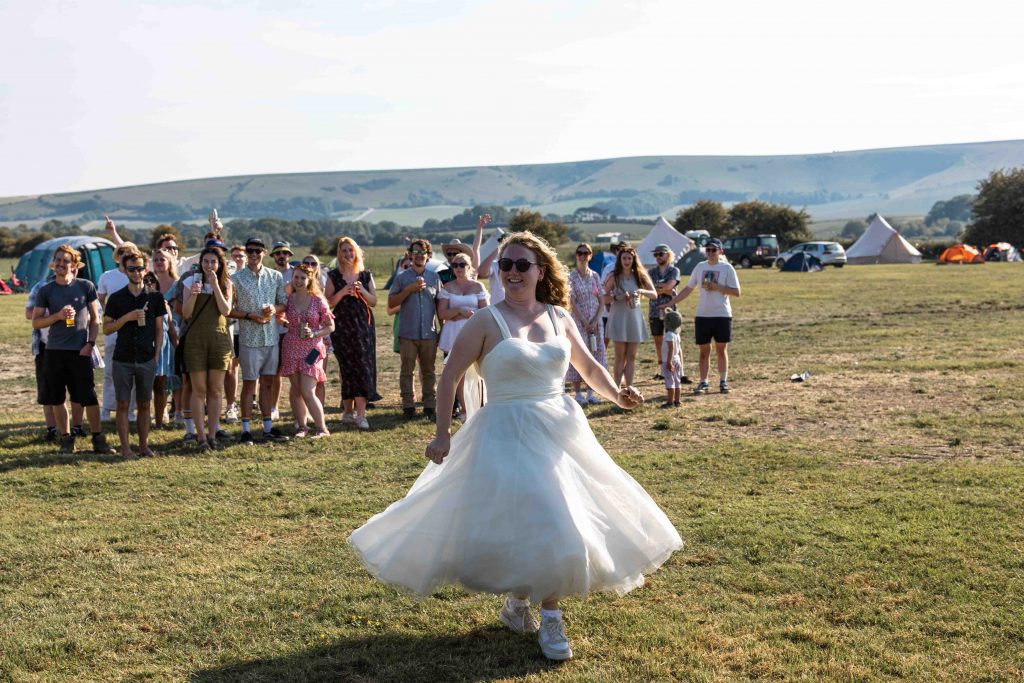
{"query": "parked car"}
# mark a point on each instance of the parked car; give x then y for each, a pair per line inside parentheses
(753, 250)
(829, 253)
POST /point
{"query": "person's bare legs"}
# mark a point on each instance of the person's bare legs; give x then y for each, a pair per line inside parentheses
(321, 393)
(620, 362)
(214, 400)
(360, 403)
(123, 431)
(60, 419)
(77, 412)
(316, 410)
(159, 404)
(199, 389)
(142, 426)
(248, 393)
(722, 359)
(296, 400)
(48, 417)
(231, 383)
(629, 366)
(705, 361)
(267, 398)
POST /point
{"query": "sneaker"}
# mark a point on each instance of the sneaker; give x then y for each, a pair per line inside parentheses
(723, 387)
(275, 414)
(686, 380)
(701, 388)
(429, 413)
(245, 438)
(593, 399)
(189, 441)
(553, 642)
(223, 436)
(362, 423)
(518, 617)
(274, 436)
(348, 419)
(231, 415)
(51, 435)
(67, 444)
(408, 413)
(78, 430)
(668, 404)
(100, 445)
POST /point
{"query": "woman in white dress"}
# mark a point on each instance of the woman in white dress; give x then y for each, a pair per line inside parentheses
(522, 500)
(457, 301)
(626, 320)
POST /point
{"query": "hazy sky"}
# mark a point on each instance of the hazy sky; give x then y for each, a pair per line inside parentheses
(105, 93)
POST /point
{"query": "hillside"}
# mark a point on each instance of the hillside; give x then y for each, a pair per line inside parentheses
(842, 184)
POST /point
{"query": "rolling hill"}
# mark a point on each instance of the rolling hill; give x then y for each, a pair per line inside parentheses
(837, 185)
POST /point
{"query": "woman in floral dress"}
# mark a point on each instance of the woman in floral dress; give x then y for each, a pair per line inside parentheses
(309, 321)
(585, 304)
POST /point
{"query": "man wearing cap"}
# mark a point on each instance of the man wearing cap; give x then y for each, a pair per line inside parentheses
(415, 291)
(281, 252)
(259, 295)
(665, 277)
(717, 280)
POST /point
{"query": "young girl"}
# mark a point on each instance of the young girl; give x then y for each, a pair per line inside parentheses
(309, 322)
(672, 358)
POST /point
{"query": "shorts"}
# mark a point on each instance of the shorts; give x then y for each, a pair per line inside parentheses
(41, 376)
(672, 378)
(138, 376)
(71, 371)
(257, 361)
(207, 351)
(657, 327)
(706, 329)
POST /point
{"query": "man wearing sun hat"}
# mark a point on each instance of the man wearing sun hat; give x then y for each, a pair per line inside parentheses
(450, 250)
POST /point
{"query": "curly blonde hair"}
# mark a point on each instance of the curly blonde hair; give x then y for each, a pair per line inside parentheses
(553, 288)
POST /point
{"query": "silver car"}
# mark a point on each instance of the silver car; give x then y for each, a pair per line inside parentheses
(829, 253)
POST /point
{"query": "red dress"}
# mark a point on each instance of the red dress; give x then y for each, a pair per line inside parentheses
(295, 349)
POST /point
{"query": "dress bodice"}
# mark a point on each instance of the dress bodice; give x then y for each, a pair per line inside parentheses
(516, 369)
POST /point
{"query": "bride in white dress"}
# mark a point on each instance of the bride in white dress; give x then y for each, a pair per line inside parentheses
(523, 500)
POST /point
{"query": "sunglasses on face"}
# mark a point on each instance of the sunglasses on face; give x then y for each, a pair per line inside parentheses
(171, 247)
(710, 248)
(661, 253)
(452, 254)
(459, 264)
(135, 269)
(417, 252)
(253, 250)
(583, 253)
(521, 264)
(311, 264)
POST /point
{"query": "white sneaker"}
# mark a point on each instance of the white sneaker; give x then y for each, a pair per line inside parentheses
(362, 423)
(231, 414)
(553, 642)
(519, 618)
(348, 419)
(275, 414)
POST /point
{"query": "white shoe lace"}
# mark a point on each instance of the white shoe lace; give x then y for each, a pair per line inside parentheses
(554, 632)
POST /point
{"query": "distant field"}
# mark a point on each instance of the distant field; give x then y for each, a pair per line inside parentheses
(862, 526)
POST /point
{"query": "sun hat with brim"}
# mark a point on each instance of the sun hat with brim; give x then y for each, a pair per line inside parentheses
(279, 247)
(457, 245)
(661, 247)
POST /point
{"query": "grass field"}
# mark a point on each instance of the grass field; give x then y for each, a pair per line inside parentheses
(862, 526)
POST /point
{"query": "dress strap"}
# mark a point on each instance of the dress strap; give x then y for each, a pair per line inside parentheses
(500, 319)
(554, 320)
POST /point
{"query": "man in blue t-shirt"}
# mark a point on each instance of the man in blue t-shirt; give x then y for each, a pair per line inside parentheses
(68, 307)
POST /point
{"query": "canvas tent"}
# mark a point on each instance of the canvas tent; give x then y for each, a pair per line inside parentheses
(960, 253)
(97, 258)
(801, 262)
(880, 243)
(662, 232)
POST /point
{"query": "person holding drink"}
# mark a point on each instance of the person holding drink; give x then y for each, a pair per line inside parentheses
(415, 291)
(303, 350)
(208, 344)
(623, 289)
(136, 314)
(259, 296)
(586, 305)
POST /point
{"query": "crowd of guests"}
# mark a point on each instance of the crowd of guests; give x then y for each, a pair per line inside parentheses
(179, 331)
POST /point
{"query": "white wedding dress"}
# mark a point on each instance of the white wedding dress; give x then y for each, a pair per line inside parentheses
(527, 501)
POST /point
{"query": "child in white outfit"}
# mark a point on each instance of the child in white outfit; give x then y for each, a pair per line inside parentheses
(672, 358)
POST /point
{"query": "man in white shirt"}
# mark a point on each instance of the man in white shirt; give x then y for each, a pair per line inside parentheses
(717, 280)
(110, 282)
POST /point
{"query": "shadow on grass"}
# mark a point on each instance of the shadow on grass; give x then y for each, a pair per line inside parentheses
(484, 654)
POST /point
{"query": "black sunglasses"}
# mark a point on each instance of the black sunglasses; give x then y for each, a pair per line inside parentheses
(521, 264)
(661, 253)
(253, 250)
(452, 254)
(583, 253)
(135, 269)
(459, 264)
(418, 252)
(171, 247)
(311, 264)
(710, 248)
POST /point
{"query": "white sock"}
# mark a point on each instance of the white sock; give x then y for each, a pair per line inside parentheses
(190, 425)
(550, 613)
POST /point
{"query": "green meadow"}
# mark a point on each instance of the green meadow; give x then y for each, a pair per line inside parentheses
(864, 525)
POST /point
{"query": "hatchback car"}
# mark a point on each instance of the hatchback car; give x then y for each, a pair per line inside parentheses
(755, 250)
(829, 253)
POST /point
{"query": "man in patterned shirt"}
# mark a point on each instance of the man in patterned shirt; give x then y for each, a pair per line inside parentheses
(259, 296)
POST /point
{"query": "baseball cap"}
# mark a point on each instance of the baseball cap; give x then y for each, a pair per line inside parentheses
(713, 242)
(255, 242)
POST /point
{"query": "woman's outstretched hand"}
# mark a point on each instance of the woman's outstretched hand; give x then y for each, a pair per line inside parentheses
(437, 449)
(629, 397)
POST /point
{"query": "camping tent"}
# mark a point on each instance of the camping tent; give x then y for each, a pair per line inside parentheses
(880, 243)
(690, 261)
(801, 262)
(97, 258)
(1001, 251)
(961, 253)
(662, 232)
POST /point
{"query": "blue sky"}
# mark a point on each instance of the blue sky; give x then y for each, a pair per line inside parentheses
(106, 93)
